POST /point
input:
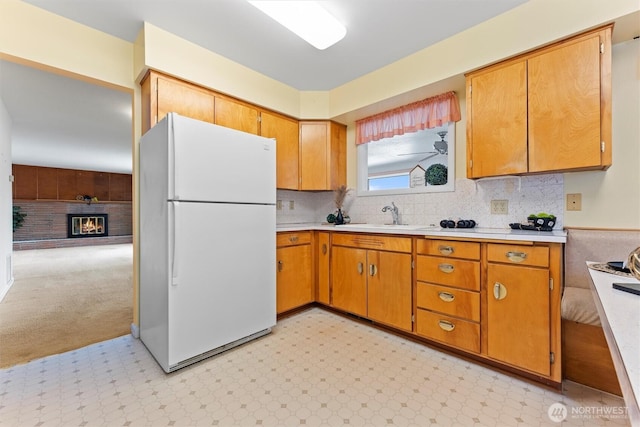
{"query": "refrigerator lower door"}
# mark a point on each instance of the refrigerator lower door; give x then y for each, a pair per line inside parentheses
(222, 275)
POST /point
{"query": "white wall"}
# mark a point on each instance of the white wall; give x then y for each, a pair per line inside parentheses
(6, 215)
(611, 199)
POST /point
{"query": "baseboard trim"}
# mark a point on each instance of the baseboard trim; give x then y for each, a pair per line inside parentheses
(5, 289)
(135, 330)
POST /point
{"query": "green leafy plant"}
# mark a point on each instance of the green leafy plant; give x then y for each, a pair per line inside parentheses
(436, 174)
(18, 217)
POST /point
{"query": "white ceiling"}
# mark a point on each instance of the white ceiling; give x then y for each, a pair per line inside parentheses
(62, 122)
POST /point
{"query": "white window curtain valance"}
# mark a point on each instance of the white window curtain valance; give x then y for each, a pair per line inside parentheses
(426, 114)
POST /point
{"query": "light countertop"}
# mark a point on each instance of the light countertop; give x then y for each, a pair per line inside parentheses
(558, 236)
(620, 317)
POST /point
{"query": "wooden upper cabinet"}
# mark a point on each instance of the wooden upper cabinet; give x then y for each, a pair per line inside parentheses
(322, 155)
(285, 131)
(545, 111)
(162, 95)
(564, 107)
(25, 182)
(497, 135)
(67, 184)
(236, 115)
(119, 187)
(101, 186)
(47, 183)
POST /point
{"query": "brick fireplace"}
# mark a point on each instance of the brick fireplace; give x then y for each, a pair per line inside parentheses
(46, 224)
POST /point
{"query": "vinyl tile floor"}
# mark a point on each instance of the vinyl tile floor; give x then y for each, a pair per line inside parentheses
(315, 369)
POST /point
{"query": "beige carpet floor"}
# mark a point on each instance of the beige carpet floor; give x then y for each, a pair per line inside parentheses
(63, 299)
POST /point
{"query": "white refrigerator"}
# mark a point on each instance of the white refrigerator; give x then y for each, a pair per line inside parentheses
(207, 239)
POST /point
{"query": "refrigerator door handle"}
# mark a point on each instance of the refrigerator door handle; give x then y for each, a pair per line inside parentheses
(173, 219)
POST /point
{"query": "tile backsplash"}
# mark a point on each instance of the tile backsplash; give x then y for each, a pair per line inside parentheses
(471, 200)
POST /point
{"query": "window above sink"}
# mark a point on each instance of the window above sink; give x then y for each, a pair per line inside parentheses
(397, 165)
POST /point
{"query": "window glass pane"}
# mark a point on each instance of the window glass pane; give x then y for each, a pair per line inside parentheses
(388, 182)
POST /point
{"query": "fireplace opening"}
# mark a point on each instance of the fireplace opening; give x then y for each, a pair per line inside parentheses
(87, 225)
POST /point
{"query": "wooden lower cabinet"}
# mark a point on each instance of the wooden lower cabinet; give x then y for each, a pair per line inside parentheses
(294, 284)
(373, 283)
(349, 279)
(519, 296)
(323, 283)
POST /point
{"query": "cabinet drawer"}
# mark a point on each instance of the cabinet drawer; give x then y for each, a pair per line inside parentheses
(293, 238)
(449, 330)
(449, 248)
(537, 256)
(451, 301)
(450, 272)
(366, 241)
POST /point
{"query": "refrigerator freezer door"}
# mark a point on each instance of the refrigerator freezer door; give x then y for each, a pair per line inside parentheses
(222, 279)
(214, 163)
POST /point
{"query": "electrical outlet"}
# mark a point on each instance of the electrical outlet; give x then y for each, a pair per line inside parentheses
(292, 205)
(499, 207)
(278, 205)
(574, 202)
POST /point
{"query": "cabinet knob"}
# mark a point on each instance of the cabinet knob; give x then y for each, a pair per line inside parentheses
(445, 250)
(516, 256)
(445, 268)
(279, 265)
(293, 239)
(446, 296)
(446, 325)
(499, 291)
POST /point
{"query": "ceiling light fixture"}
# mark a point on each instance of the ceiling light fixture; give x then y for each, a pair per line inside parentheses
(307, 19)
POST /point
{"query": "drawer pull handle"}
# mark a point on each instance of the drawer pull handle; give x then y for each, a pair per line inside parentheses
(324, 249)
(373, 270)
(446, 296)
(446, 326)
(516, 256)
(499, 291)
(360, 268)
(445, 268)
(279, 265)
(293, 239)
(445, 250)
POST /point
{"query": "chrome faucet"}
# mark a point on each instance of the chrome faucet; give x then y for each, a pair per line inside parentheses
(394, 212)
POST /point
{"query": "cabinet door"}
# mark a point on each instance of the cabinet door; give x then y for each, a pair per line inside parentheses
(389, 288)
(293, 280)
(119, 187)
(48, 183)
(184, 99)
(349, 279)
(101, 186)
(67, 184)
(313, 156)
(323, 294)
(235, 115)
(518, 325)
(564, 107)
(85, 182)
(25, 182)
(285, 131)
(497, 121)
